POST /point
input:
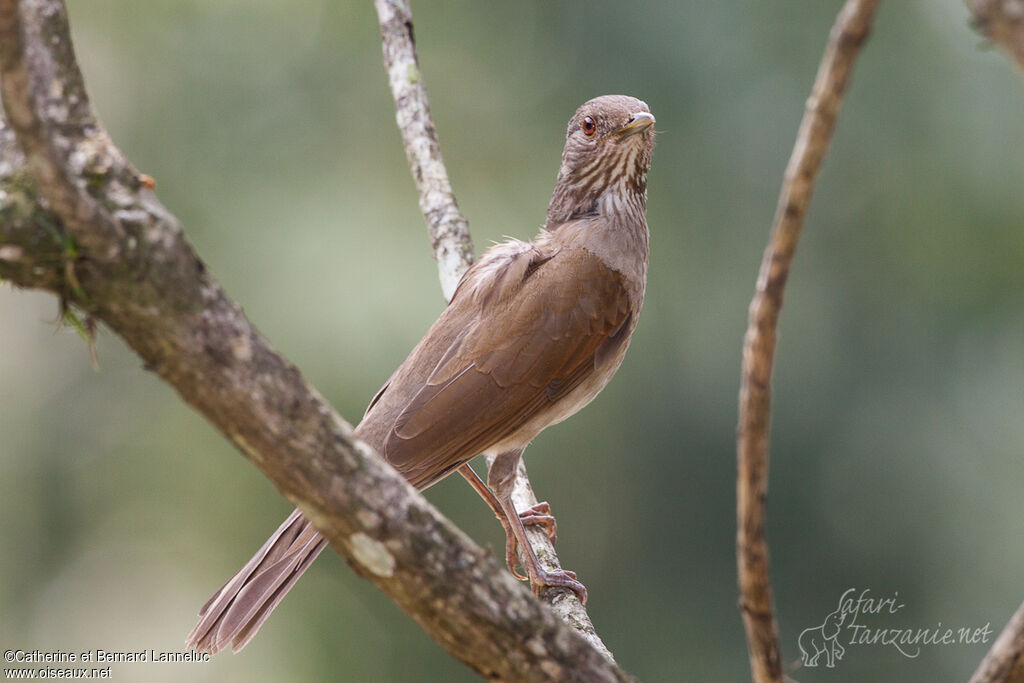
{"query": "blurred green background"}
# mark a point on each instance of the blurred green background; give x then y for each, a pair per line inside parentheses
(270, 131)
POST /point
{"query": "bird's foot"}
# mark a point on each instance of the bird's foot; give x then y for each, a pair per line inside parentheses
(540, 515)
(560, 578)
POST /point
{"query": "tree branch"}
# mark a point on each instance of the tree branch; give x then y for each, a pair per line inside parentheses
(1002, 22)
(78, 220)
(848, 35)
(1004, 663)
(449, 230)
(453, 248)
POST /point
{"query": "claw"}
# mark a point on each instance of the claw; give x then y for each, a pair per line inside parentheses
(540, 515)
(562, 578)
(511, 559)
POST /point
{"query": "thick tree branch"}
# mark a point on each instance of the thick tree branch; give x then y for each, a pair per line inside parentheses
(453, 248)
(77, 219)
(1002, 22)
(1004, 663)
(848, 36)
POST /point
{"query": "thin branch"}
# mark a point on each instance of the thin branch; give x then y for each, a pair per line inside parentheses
(848, 36)
(1002, 22)
(77, 219)
(453, 248)
(1004, 663)
(449, 230)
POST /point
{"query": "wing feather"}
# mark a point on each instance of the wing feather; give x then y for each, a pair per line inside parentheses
(537, 335)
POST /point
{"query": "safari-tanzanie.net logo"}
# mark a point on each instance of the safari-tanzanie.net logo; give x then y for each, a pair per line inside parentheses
(848, 627)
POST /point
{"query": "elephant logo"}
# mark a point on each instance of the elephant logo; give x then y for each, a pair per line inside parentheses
(823, 640)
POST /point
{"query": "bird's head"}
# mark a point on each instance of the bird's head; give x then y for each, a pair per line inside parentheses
(605, 162)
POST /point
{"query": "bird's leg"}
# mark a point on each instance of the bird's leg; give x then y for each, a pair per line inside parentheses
(540, 577)
(539, 514)
(500, 479)
(510, 538)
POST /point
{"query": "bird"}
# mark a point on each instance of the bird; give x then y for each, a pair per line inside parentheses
(533, 332)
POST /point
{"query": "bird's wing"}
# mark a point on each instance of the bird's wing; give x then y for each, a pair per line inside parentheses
(544, 324)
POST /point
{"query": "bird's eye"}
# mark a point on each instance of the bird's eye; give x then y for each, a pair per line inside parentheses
(589, 126)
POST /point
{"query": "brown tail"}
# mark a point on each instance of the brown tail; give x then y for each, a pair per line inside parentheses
(238, 609)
